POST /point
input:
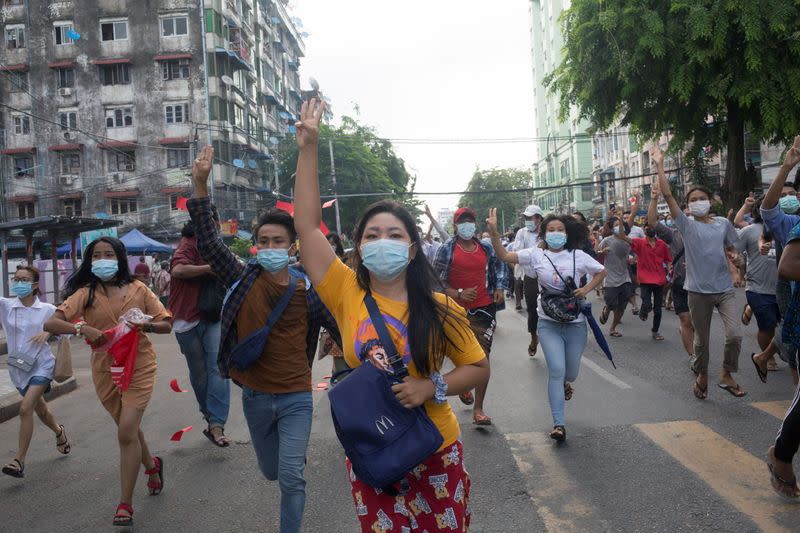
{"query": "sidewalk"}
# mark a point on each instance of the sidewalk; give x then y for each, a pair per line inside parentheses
(9, 396)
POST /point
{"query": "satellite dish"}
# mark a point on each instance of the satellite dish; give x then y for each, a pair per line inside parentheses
(252, 164)
(238, 163)
(226, 80)
(274, 140)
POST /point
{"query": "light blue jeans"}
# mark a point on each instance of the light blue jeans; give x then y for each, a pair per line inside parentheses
(200, 346)
(563, 344)
(280, 426)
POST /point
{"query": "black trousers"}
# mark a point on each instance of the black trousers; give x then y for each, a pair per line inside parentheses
(656, 294)
(531, 287)
(788, 440)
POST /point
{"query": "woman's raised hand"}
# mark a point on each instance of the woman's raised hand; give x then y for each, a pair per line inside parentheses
(491, 222)
(311, 114)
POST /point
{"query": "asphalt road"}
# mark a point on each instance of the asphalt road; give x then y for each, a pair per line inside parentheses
(642, 453)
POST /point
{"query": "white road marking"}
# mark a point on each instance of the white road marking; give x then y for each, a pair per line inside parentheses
(605, 374)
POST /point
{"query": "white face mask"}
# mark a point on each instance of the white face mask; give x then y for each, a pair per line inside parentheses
(700, 208)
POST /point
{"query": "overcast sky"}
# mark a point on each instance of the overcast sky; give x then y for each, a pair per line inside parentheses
(428, 69)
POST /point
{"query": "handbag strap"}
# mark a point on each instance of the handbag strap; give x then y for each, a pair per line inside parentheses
(678, 257)
(280, 307)
(566, 286)
(376, 316)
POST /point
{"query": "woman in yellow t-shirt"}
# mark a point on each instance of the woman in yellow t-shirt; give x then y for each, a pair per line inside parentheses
(426, 327)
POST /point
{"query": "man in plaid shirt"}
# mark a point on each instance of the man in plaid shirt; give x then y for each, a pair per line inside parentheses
(276, 388)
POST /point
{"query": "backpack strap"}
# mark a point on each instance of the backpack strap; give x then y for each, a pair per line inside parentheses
(283, 303)
(678, 257)
(376, 316)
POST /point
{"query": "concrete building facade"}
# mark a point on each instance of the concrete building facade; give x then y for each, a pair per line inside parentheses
(104, 104)
(563, 151)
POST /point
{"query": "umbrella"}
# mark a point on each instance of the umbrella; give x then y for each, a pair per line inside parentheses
(598, 333)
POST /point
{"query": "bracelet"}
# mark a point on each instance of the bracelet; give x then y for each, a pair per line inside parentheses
(78, 326)
(440, 393)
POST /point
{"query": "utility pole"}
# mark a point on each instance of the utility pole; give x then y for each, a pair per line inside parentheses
(335, 193)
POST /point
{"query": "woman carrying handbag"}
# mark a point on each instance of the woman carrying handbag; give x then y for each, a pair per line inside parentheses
(391, 273)
(562, 327)
(30, 361)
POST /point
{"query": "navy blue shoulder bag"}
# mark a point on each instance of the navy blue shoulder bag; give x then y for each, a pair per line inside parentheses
(383, 440)
(249, 349)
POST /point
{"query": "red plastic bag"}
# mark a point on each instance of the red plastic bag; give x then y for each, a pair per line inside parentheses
(123, 355)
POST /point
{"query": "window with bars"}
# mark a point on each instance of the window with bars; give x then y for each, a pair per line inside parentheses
(68, 120)
(119, 117)
(62, 31)
(15, 37)
(121, 161)
(23, 167)
(73, 207)
(66, 78)
(22, 125)
(175, 69)
(17, 82)
(177, 157)
(175, 26)
(121, 206)
(119, 74)
(70, 164)
(176, 113)
(116, 30)
(26, 210)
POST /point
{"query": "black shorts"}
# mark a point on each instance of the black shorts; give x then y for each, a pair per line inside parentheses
(765, 309)
(680, 298)
(617, 297)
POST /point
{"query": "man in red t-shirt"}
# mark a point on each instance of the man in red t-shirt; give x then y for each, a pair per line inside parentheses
(473, 275)
(654, 259)
(142, 272)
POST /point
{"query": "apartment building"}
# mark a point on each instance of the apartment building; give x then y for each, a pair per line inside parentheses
(105, 102)
(563, 152)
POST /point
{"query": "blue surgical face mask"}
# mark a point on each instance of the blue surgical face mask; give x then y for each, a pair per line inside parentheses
(273, 259)
(105, 269)
(530, 225)
(385, 258)
(466, 230)
(21, 289)
(789, 204)
(556, 239)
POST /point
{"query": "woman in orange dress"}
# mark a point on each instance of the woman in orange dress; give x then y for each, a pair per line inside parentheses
(97, 295)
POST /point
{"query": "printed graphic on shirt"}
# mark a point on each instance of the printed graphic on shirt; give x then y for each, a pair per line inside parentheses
(369, 347)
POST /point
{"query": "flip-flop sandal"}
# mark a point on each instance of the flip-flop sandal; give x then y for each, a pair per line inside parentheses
(658, 337)
(155, 487)
(568, 391)
(772, 366)
(15, 469)
(62, 447)
(762, 375)
(701, 393)
(615, 334)
(734, 391)
(559, 433)
(604, 315)
(777, 482)
(121, 519)
(466, 398)
(747, 315)
(481, 420)
(222, 441)
(532, 349)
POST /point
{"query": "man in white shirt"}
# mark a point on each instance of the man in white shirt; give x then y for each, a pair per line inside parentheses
(527, 238)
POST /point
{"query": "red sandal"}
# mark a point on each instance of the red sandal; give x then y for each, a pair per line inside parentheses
(155, 487)
(121, 519)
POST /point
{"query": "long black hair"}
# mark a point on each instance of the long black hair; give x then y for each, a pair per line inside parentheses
(83, 277)
(577, 232)
(426, 316)
(336, 241)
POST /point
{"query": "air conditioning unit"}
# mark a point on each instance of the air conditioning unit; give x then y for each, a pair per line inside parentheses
(129, 167)
(116, 177)
(65, 91)
(67, 180)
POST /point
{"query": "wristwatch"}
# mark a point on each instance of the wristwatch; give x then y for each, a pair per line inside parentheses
(78, 326)
(460, 291)
(440, 394)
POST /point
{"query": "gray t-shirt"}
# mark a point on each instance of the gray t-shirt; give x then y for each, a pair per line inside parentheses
(674, 239)
(762, 270)
(706, 263)
(616, 261)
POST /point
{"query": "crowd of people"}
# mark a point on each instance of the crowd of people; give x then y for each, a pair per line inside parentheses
(401, 303)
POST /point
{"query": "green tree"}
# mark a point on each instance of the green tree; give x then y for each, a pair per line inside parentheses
(364, 163)
(509, 204)
(705, 69)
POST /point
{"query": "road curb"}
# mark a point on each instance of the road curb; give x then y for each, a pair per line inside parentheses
(9, 404)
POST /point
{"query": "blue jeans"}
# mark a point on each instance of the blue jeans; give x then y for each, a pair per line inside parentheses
(563, 344)
(280, 426)
(200, 346)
